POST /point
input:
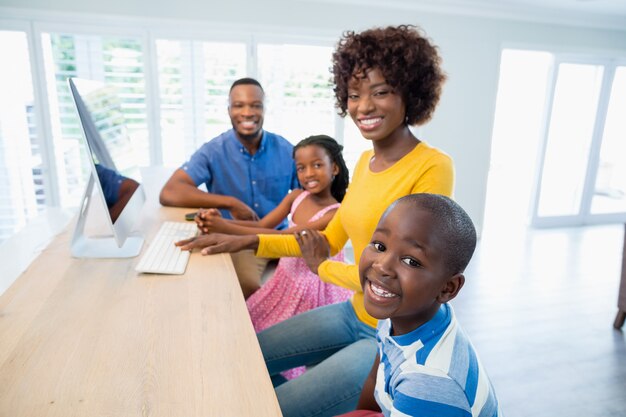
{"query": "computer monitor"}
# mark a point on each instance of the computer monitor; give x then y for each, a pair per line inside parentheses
(104, 138)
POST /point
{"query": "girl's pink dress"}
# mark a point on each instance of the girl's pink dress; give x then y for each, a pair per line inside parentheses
(293, 289)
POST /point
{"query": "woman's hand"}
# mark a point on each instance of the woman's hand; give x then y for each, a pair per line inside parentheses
(210, 221)
(314, 248)
(219, 243)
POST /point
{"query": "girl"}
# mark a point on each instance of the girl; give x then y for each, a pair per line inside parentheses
(294, 289)
(386, 79)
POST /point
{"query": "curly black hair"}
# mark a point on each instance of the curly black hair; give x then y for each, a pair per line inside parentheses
(406, 58)
(333, 149)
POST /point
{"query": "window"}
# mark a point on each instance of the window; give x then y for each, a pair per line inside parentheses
(584, 151)
(22, 193)
(194, 81)
(609, 195)
(174, 97)
(114, 60)
(517, 131)
(559, 116)
(299, 95)
(569, 138)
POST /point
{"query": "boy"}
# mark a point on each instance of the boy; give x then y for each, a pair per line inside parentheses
(412, 268)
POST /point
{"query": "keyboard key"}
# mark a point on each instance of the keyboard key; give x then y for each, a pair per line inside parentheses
(162, 256)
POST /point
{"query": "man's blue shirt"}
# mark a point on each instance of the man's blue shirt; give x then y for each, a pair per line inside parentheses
(110, 181)
(261, 180)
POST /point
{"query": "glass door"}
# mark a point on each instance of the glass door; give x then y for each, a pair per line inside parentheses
(609, 191)
(581, 177)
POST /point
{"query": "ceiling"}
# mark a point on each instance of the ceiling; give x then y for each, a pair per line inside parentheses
(609, 14)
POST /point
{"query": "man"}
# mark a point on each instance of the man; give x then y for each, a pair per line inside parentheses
(247, 172)
(117, 189)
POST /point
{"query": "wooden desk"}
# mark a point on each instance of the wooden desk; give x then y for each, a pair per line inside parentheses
(91, 337)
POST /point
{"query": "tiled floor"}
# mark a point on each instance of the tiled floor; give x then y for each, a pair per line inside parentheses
(539, 306)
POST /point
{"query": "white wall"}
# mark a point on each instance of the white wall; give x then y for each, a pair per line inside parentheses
(470, 47)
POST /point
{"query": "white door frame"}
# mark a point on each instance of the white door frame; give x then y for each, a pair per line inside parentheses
(584, 215)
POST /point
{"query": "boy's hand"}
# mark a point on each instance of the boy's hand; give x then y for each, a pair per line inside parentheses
(314, 248)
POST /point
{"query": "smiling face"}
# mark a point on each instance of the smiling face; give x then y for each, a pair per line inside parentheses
(246, 111)
(403, 271)
(376, 109)
(315, 169)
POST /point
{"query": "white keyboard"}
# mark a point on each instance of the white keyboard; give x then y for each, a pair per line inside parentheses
(162, 257)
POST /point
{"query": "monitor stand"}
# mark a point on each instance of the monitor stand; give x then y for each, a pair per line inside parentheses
(84, 246)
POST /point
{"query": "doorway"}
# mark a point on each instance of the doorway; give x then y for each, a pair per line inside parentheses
(559, 144)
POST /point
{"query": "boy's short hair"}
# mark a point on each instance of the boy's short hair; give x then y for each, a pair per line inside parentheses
(455, 227)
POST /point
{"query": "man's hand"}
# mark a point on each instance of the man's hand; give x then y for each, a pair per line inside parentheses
(242, 211)
(219, 243)
(314, 248)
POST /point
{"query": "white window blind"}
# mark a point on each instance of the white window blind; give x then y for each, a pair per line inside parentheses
(189, 89)
(194, 81)
(114, 60)
(22, 194)
(297, 83)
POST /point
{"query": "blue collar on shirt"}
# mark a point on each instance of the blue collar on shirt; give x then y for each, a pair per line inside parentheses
(428, 330)
(243, 149)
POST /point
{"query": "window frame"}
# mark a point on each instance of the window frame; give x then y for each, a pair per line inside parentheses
(584, 215)
(147, 30)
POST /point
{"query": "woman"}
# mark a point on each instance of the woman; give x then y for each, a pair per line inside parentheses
(386, 79)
